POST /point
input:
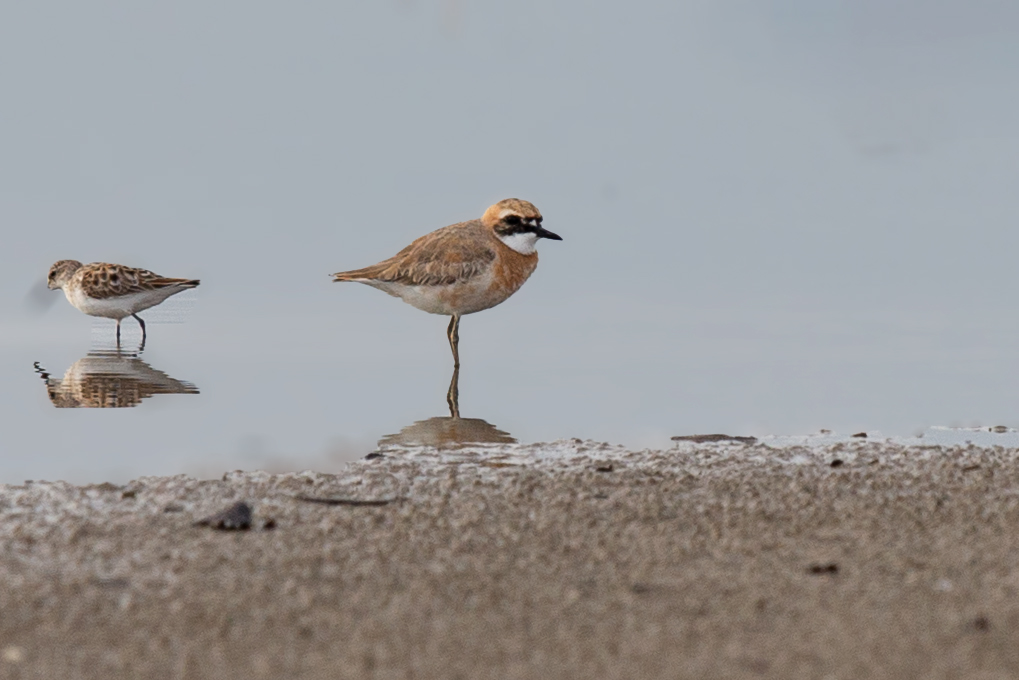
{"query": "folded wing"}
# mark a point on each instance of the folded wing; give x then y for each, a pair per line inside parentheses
(103, 280)
(449, 255)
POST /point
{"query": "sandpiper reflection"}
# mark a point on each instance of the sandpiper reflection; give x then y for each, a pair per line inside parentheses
(109, 379)
(448, 432)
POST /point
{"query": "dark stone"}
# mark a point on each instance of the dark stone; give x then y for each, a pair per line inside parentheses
(823, 569)
(235, 518)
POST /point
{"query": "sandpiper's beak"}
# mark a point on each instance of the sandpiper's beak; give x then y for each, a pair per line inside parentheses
(542, 232)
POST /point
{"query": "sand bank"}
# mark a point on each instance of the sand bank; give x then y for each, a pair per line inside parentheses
(564, 560)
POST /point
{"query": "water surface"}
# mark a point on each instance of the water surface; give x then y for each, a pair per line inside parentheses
(778, 217)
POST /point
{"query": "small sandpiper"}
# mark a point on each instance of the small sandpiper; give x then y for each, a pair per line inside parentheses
(113, 291)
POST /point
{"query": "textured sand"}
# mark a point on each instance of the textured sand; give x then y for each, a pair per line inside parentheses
(563, 560)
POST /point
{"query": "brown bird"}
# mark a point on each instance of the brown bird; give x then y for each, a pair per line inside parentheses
(463, 268)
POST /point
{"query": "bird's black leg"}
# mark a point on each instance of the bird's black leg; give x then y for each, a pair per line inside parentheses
(142, 324)
(453, 333)
(453, 395)
(118, 333)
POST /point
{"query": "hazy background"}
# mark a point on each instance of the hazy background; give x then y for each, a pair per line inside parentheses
(779, 215)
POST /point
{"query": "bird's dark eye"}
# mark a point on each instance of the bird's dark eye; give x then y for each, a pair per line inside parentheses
(511, 219)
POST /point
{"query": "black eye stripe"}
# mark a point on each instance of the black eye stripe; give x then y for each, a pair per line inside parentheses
(517, 219)
(519, 229)
(517, 224)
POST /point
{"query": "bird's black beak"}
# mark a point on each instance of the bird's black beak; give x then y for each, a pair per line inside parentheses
(542, 232)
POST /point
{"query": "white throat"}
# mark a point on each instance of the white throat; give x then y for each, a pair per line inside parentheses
(523, 242)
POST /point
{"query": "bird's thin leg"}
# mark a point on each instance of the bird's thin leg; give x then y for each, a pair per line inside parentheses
(453, 395)
(453, 333)
(118, 333)
(142, 324)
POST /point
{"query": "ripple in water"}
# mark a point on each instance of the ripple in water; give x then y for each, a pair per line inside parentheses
(110, 379)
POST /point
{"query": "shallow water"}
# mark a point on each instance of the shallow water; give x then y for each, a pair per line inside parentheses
(777, 218)
(320, 391)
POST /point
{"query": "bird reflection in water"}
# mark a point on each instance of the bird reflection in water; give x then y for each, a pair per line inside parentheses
(110, 379)
(448, 432)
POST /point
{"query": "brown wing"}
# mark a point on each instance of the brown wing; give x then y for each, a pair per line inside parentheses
(455, 253)
(102, 280)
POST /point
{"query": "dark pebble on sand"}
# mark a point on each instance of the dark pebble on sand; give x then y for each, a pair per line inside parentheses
(823, 569)
(235, 518)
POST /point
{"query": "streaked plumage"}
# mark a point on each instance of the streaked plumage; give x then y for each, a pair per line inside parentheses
(463, 268)
(113, 291)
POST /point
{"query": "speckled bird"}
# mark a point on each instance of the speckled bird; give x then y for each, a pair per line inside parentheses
(113, 291)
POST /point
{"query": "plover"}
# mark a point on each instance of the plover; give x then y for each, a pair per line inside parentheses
(113, 291)
(463, 268)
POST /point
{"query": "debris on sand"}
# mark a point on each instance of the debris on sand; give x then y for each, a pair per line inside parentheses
(710, 438)
(235, 518)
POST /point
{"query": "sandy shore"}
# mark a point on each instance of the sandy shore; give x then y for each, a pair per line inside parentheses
(564, 560)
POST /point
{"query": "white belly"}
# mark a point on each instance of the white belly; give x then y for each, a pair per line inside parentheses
(459, 298)
(121, 306)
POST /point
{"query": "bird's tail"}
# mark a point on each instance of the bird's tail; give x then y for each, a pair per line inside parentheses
(354, 275)
(178, 283)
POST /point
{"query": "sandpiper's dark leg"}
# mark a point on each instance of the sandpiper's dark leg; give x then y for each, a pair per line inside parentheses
(453, 333)
(142, 324)
(453, 395)
(118, 332)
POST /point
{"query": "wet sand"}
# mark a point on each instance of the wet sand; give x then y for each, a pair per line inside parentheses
(564, 560)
